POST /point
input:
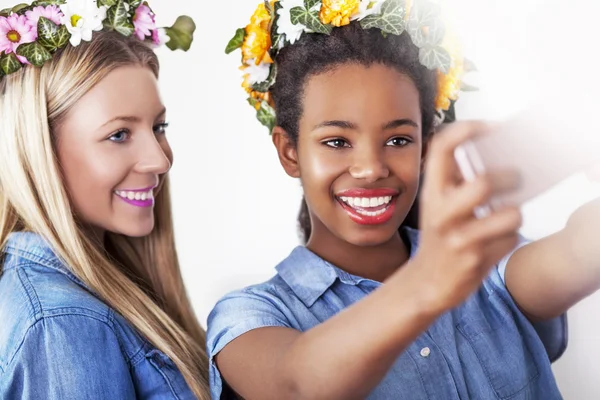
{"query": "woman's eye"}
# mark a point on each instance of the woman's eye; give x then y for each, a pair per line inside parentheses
(337, 143)
(119, 137)
(398, 142)
(161, 129)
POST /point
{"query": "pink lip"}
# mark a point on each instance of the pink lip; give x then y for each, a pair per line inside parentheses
(138, 203)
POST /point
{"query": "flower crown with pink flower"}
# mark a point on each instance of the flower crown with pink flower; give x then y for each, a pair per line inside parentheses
(279, 23)
(32, 33)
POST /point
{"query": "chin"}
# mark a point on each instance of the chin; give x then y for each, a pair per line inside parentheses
(138, 230)
(376, 236)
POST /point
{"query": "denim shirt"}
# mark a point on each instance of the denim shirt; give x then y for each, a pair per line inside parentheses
(483, 349)
(60, 342)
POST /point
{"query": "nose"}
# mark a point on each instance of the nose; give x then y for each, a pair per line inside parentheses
(369, 165)
(152, 157)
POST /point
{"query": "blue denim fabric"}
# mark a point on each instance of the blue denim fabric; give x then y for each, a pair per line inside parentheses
(484, 349)
(59, 342)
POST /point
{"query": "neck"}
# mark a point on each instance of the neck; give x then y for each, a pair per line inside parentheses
(377, 263)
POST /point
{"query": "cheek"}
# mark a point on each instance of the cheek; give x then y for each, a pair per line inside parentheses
(322, 167)
(90, 177)
(406, 166)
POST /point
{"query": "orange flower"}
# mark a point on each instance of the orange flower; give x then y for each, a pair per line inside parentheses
(260, 96)
(448, 86)
(338, 12)
(257, 41)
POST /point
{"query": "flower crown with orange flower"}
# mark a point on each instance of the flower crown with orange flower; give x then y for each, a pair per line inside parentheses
(278, 23)
(32, 33)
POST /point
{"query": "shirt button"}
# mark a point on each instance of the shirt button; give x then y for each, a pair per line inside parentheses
(425, 352)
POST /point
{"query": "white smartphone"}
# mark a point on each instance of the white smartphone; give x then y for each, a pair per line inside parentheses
(543, 150)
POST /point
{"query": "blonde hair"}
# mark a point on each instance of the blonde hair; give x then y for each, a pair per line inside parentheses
(139, 277)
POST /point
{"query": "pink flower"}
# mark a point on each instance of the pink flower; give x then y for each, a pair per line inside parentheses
(50, 12)
(14, 31)
(143, 22)
(160, 37)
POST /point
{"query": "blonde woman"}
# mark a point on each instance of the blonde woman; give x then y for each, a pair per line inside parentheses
(92, 303)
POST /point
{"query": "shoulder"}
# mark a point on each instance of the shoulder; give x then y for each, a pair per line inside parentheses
(40, 297)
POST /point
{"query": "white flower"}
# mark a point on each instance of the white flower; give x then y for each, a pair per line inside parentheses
(291, 32)
(82, 17)
(256, 73)
(368, 7)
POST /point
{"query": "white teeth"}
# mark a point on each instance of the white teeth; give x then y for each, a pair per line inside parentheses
(365, 202)
(135, 195)
(372, 213)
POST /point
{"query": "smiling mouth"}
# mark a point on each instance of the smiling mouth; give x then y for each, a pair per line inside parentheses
(138, 198)
(369, 206)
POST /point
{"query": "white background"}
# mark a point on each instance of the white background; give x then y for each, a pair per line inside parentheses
(234, 207)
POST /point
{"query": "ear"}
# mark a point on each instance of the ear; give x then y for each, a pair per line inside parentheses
(287, 152)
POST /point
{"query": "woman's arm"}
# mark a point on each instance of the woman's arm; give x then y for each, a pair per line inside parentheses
(549, 276)
(68, 356)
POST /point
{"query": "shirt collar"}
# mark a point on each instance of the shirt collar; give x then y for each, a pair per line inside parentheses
(33, 247)
(309, 276)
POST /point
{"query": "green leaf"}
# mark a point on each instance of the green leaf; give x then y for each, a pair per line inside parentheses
(35, 53)
(52, 36)
(107, 3)
(135, 3)
(425, 26)
(391, 20)
(468, 65)
(117, 18)
(9, 63)
(181, 33)
(266, 115)
(45, 3)
(308, 4)
(450, 113)
(264, 87)
(435, 57)
(20, 7)
(275, 37)
(236, 41)
(5, 12)
(310, 20)
(465, 87)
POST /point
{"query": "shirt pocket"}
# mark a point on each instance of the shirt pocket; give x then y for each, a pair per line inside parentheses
(500, 348)
(169, 372)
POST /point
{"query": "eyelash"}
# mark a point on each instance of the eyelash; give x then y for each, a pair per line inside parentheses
(329, 143)
(160, 127)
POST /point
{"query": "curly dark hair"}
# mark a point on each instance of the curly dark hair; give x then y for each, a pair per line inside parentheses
(314, 54)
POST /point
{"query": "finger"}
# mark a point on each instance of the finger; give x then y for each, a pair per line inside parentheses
(462, 201)
(479, 232)
(441, 165)
(499, 248)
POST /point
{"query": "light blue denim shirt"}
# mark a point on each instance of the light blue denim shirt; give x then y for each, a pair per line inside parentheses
(60, 342)
(483, 349)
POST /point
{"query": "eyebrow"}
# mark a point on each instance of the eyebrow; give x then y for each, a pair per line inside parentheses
(400, 122)
(352, 126)
(129, 118)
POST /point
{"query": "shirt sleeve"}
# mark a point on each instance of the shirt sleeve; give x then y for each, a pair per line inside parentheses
(68, 357)
(234, 315)
(553, 333)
